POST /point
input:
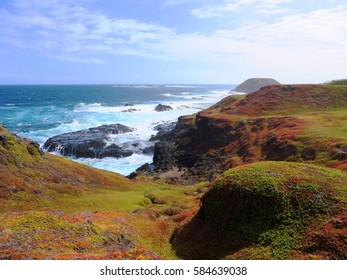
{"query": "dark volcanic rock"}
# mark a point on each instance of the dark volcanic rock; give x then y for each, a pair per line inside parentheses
(338, 152)
(163, 130)
(184, 151)
(274, 149)
(164, 155)
(309, 153)
(201, 147)
(144, 170)
(89, 143)
(130, 110)
(161, 108)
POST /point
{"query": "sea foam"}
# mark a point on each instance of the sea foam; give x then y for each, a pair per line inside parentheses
(84, 108)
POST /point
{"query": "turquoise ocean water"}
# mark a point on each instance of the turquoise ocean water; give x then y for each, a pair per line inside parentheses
(38, 112)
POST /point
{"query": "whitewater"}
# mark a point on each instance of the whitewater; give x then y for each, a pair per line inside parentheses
(40, 112)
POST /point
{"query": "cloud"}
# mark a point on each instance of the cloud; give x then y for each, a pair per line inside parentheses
(69, 29)
(318, 32)
(227, 7)
(173, 2)
(297, 44)
(86, 60)
(302, 46)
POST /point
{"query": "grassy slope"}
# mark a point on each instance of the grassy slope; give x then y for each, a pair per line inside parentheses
(270, 210)
(30, 179)
(318, 111)
(247, 225)
(51, 207)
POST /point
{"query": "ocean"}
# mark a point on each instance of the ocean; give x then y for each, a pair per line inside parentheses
(38, 112)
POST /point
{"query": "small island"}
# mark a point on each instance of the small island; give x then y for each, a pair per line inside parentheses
(255, 84)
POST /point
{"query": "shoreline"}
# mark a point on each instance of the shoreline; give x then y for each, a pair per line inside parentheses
(141, 116)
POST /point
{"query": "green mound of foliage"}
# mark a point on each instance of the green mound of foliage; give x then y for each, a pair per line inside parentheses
(269, 203)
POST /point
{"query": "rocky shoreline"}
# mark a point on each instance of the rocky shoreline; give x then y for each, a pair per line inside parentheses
(96, 142)
(233, 133)
(88, 143)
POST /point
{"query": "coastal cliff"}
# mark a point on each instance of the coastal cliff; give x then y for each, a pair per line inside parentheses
(284, 123)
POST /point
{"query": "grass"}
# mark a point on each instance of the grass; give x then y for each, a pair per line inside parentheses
(113, 199)
(339, 82)
(71, 198)
(56, 235)
(285, 100)
(264, 205)
(238, 96)
(316, 118)
(86, 222)
(51, 207)
(332, 124)
(128, 201)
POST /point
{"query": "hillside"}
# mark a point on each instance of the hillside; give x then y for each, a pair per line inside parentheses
(37, 178)
(301, 123)
(269, 210)
(54, 208)
(255, 84)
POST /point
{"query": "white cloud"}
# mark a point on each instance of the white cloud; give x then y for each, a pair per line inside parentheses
(227, 7)
(300, 47)
(173, 2)
(321, 31)
(312, 43)
(71, 30)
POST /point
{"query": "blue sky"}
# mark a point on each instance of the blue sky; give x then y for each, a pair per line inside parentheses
(172, 41)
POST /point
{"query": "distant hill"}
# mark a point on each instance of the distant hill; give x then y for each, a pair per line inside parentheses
(254, 84)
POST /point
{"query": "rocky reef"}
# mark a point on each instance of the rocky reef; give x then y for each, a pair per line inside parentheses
(93, 143)
(163, 108)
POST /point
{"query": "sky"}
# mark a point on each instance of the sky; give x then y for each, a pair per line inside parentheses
(171, 41)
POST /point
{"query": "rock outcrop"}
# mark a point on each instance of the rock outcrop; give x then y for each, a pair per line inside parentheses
(89, 143)
(162, 108)
(269, 124)
(163, 129)
(255, 84)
